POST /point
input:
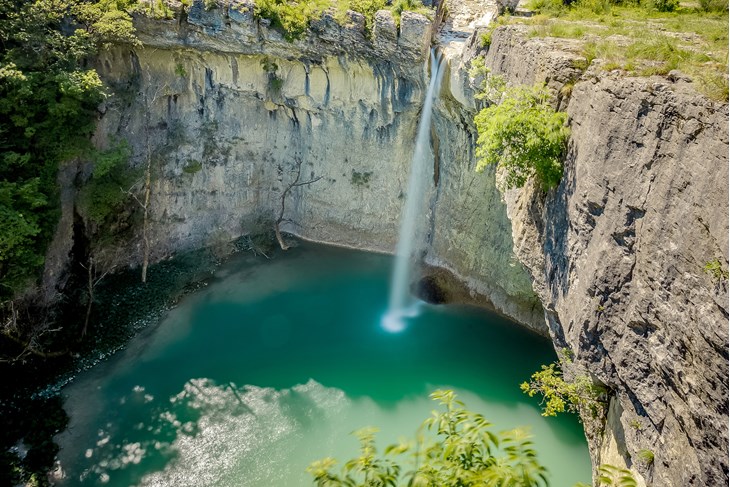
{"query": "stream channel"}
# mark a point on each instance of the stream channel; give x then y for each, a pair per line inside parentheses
(275, 362)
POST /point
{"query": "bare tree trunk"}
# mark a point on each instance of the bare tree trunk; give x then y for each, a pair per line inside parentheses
(90, 291)
(93, 280)
(145, 220)
(284, 194)
(147, 189)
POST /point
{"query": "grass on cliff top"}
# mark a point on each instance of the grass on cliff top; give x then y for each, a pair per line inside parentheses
(643, 41)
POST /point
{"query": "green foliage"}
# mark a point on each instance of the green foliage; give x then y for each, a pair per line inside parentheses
(553, 7)
(665, 5)
(293, 17)
(361, 178)
(524, 135)
(611, 476)
(714, 5)
(107, 22)
(21, 204)
(192, 167)
(157, 9)
(645, 37)
(105, 193)
(714, 268)
(646, 456)
(455, 448)
(486, 36)
(276, 82)
(559, 396)
(180, 70)
(491, 87)
(48, 100)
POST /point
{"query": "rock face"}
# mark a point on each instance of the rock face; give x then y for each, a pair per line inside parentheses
(228, 108)
(617, 255)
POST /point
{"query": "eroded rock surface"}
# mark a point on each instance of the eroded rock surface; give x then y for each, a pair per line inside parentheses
(617, 254)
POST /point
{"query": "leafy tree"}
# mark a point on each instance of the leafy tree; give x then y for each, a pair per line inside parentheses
(524, 135)
(455, 447)
(48, 100)
(107, 189)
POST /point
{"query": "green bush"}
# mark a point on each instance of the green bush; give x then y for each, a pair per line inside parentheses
(646, 456)
(612, 476)
(455, 447)
(524, 135)
(714, 5)
(193, 167)
(293, 17)
(554, 7)
(665, 5)
(715, 269)
(559, 396)
(107, 190)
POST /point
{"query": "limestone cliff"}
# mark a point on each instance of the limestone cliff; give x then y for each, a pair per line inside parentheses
(227, 107)
(617, 255)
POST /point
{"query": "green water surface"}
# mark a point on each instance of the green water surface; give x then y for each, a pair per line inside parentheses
(274, 363)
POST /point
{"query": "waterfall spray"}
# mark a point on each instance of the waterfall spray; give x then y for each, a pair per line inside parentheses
(400, 305)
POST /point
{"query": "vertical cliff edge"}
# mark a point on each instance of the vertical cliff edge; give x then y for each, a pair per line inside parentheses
(618, 255)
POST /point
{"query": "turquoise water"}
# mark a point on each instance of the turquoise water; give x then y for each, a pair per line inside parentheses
(274, 363)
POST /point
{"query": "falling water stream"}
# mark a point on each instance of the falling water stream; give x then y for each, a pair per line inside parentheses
(401, 305)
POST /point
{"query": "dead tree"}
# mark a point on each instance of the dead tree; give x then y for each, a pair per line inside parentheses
(290, 186)
(147, 192)
(29, 341)
(147, 189)
(93, 280)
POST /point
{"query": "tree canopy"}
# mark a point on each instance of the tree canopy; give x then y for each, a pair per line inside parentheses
(48, 100)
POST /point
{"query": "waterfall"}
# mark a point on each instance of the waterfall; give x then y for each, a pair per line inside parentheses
(401, 305)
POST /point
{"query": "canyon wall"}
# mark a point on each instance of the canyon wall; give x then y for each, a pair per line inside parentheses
(618, 253)
(226, 109)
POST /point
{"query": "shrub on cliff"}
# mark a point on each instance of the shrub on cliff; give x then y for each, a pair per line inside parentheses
(524, 135)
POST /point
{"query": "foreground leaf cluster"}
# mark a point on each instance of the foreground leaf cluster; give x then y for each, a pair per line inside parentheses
(455, 447)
